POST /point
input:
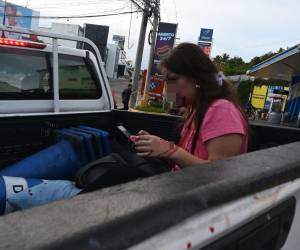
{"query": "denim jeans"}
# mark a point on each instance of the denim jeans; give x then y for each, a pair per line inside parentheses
(43, 193)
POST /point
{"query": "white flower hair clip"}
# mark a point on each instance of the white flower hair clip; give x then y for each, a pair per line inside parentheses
(220, 78)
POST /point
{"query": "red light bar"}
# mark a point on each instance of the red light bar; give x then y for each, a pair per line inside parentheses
(19, 43)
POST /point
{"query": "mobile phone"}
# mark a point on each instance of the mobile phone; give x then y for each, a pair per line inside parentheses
(124, 131)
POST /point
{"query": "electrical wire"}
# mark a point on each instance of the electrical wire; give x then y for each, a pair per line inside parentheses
(139, 6)
(68, 3)
(76, 6)
(129, 31)
(76, 16)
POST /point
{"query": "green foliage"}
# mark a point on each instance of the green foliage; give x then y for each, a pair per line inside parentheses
(150, 109)
(155, 103)
(236, 65)
(244, 90)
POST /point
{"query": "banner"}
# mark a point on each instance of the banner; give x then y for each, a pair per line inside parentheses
(206, 35)
(15, 16)
(156, 87)
(206, 47)
(165, 40)
(259, 96)
(205, 40)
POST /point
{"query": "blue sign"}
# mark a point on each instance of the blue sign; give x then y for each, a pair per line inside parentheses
(165, 40)
(206, 47)
(154, 85)
(206, 35)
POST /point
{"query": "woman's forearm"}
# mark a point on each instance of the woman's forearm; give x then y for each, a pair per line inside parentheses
(184, 159)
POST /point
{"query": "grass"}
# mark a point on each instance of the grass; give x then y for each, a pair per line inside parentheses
(153, 109)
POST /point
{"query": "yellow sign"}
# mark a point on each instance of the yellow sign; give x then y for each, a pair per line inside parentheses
(284, 99)
(259, 95)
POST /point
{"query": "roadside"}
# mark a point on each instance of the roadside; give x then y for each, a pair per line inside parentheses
(117, 86)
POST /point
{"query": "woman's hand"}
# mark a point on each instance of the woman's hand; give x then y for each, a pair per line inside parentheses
(151, 145)
(133, 138)
(143, 132)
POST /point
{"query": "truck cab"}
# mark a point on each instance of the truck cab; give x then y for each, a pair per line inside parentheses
(27, 79)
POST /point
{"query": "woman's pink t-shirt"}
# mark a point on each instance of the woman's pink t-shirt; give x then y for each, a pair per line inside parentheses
(221, 118)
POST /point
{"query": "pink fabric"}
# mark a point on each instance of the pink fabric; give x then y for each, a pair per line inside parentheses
(221, 118)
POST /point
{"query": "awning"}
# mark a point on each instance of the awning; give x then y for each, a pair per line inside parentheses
(279, 67)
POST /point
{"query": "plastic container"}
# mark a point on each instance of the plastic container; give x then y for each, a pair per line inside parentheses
(77, 141)
(88, 143)
(106, 145)
(274, 117)
(97, 141)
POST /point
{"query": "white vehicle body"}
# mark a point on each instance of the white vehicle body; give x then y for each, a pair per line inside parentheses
(57, 104)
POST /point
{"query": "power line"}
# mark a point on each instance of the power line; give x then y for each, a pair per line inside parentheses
(73, 2)
(76, 16)
(139, 6)
(128, 39)
(75, 5)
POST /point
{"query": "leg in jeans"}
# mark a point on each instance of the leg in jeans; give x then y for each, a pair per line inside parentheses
(43, 193)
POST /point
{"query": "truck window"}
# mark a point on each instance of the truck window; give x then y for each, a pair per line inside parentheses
(25, 75)
(77, 78)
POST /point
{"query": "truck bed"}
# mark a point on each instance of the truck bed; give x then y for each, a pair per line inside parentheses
(125, 215)
(122, 216)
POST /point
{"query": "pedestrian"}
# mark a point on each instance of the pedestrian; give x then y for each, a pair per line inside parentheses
(126, 96)
(215, 126)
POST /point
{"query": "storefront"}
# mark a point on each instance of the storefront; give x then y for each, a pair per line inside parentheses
(264, 96)
(284, 66)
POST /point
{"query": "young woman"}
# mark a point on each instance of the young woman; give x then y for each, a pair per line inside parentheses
(215, 126)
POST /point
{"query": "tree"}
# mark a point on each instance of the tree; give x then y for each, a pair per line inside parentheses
(221, 60)
(244, 90)
(237, 66)
(218, 62)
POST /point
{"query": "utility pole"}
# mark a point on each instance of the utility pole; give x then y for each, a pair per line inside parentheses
(4, 14)
(138, 58)
(152, 48)
(4, 21)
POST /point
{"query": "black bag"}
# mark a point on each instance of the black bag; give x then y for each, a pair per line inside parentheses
(120, 168)
(105, 172)
(148, 165)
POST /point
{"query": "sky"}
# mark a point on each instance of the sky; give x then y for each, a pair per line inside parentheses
(241, 28)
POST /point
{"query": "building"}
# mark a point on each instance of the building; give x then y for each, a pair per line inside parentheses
(116, 61)
(239, 78)
(112, 60)
(266, 97)
(64, 29)
(284, 66)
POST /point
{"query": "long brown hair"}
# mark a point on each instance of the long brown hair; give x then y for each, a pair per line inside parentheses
(189, 60)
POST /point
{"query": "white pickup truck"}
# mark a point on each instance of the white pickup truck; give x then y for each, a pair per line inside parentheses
(249, 202)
